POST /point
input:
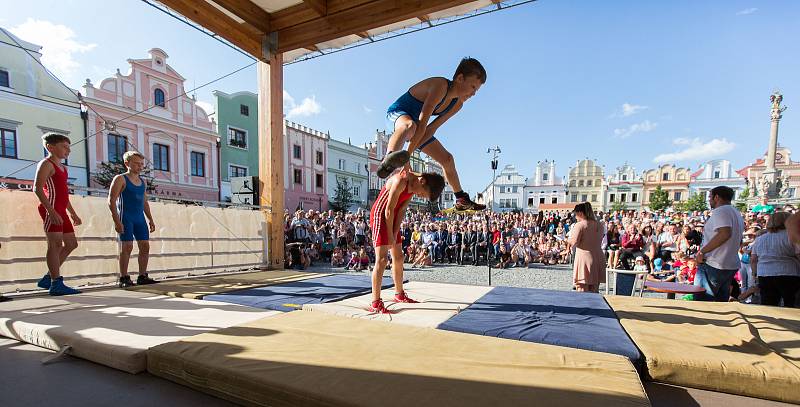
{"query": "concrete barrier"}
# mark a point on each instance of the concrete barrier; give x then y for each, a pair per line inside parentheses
(188, 240)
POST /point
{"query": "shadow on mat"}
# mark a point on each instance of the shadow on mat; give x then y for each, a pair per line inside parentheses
(224, 370)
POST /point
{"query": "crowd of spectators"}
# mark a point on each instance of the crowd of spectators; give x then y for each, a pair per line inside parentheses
(664, 243)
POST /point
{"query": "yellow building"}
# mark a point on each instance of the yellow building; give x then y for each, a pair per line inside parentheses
(585, 183)
(673, 179)
(33, 103)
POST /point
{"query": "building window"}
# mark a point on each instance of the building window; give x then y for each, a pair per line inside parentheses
(588, 183)
(296, 153)
(530, 202)
(541, 200)
(716, 174)
(584, 197)
(117, 145)
(634, 197)
(623, 197)
(4, 79)
(580, 183)
(298, 176)
(545, 176)
(514, 189)
(573, 198)
(665, 176)
(319, 157)
(244, 110)
(554, 200)
(624, 177)
(198, 161)
(356, 190)
(611, 197)
(237, 171)
(509, 177)
(8, 139)
(158, 98)
(594, 197)
(357, 169)
(237, 138)
(160, 157)
(342, 164)
(319, 180)
(572, 183)
(677, 195)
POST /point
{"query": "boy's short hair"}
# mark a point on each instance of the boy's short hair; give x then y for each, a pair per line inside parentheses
(53, 138)
(725, 193)
(130, 154)
(435, 185)
(471, 67)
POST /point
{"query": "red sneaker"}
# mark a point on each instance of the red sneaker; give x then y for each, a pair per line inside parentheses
(377, 307)
(402, 297)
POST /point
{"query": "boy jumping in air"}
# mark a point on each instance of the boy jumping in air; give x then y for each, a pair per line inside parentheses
(407, 120)
(387, 213)
(51, 189)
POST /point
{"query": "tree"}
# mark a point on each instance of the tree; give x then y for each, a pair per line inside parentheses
(741, 202)
(107, 170)
(696, 202)
(618, 206)
(659, 199)
(343, 196)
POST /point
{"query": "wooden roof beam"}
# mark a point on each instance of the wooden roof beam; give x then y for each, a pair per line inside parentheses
(208, 16)
(363, 17)
(320, 6)
(425, 19)
(249, 12)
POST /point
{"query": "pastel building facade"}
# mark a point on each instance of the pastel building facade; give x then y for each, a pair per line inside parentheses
(545, 189)
(33, 103)
(716, 173)
(585, 183)
(351, 163)
(507, 194)
(305, 167)
(671, 178)
(754, 172)
(624, 188)
(174, 134)
(237, 125)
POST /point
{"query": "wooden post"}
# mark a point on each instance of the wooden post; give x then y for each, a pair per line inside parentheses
(270, 154)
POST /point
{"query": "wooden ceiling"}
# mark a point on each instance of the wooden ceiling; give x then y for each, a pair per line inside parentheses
(298, 27)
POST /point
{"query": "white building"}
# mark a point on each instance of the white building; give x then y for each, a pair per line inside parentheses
(508, 192)
(715, 173)
(544, 188)
(351, 163)
(624, 187)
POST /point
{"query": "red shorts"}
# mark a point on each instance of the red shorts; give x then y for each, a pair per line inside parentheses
(50, 227)
(380, 233)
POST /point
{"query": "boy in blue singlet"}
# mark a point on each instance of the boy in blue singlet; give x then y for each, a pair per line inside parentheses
(127, 199)
(407, 120)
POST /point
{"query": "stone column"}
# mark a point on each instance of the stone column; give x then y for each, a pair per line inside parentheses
(771, 174)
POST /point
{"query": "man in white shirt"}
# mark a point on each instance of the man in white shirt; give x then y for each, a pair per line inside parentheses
(718, 257)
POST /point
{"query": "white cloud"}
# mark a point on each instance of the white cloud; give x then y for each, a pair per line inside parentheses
(695, 149)
(308, 107)
(643, 127)
(746, 11)
(367, 110)
(58, 44)
(208, 107)
(628, 109)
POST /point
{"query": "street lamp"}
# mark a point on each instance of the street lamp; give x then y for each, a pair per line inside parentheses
(366, 168)
(495, 152)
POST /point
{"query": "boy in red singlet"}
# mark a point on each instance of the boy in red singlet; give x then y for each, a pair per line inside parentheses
(51, 189)
(387, 213)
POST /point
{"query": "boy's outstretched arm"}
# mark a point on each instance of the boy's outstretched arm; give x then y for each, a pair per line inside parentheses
(435, 94)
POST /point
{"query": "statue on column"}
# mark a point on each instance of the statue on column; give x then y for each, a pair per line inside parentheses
(776, 99)
(763, 189)
(782, 186)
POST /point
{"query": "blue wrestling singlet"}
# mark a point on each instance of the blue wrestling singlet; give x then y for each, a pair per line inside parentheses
(407, 104)
(131, 211)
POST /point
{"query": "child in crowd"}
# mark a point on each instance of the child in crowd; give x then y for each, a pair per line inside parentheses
(337, 259)
(407, 120)
(423, 258)
(353, 262)
(688, 272)
(640, 266)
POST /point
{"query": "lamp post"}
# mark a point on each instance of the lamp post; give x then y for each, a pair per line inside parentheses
(495, 152)
(366, 168)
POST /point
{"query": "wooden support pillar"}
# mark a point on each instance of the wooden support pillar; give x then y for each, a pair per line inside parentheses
(270, 154)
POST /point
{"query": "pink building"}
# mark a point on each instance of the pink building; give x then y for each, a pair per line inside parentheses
(175, 135)
(305, 167)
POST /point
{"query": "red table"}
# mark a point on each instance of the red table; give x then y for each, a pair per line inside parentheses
(672, 288)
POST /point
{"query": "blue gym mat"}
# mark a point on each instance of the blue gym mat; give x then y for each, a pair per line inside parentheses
(291, 296)
(563, 318)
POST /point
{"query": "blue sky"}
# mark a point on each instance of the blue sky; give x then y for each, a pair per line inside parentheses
(642, 82)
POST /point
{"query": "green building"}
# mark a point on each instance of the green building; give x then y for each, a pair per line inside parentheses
(237, 125)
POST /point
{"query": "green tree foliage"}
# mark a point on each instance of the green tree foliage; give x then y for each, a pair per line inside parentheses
(618, 206)
(741, 202)
(343, 196)
(659, 199)
(107, 170)
(696, 202)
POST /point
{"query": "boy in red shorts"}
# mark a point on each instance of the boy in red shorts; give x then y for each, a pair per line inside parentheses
(51, 189)
(387, 213)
